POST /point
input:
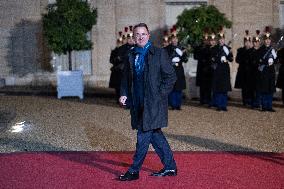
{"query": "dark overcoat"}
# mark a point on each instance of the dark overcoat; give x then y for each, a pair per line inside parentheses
(244, 78)
(266, 76)
(204, 68)
(221, 81)
(159, 79)
(116, 59)
(255, 58)
(280, 79)
(180, 83)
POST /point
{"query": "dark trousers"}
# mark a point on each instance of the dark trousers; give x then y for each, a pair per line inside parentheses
(117, 94)
(205, 94)
(221, 100)
(159, 143)
(256, 100)
(175, 99)
(247, 96)
(266, 101)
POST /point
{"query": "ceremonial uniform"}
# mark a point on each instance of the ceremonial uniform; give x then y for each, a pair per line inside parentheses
(266, 74)
(177, 59)
(280, 79)
(221, 82)
(244, 78)
(203, 73)
(117, 57)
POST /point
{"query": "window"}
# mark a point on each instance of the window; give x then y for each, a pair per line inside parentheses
(175, 8)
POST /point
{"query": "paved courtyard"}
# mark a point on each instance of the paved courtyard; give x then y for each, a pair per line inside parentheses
(45, 123)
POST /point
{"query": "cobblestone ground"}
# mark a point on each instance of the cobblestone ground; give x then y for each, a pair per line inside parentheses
(44, 123)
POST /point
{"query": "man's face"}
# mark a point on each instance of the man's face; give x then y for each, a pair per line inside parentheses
(256, 44)
(222, 41)
(174, 40)
(130, 41)
(212, 42)
(267, 42)
(247, 44)
(141, 36)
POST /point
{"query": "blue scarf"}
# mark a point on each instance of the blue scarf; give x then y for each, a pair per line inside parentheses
(139, 61)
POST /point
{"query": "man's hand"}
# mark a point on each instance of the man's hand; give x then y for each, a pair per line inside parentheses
(122, 100)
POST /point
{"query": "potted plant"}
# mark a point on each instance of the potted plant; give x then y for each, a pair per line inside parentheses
(65, 26)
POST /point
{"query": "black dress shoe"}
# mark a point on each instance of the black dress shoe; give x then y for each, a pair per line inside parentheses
(165, 172)
(271, 110)
(178, 108)
(129, 176)
(224, 109)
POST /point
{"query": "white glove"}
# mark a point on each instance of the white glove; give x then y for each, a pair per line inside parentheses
(122, 100)
(178, 51)
(176, 64)
(176, 59)
(274, 54)
(270, 61)
(226, 50)
(223, 59)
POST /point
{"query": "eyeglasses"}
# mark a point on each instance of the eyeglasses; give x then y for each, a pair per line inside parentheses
(138, 35)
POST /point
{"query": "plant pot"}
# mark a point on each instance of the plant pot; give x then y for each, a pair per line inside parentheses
(70, 83)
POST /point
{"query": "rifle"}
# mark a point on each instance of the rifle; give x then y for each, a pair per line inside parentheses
(229, 43)
(261, 67)
(277, 44)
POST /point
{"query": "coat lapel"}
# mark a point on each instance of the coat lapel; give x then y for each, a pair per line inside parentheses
(131, 62)
(149, 61)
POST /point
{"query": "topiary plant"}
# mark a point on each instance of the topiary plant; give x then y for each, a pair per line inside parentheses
(66, 24)
(192, 23)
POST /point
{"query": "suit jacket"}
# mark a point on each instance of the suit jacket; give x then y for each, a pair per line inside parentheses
(159, 79)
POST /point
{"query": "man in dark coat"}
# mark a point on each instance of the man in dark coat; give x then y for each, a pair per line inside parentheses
(266, 80)
(280, 79)
(177, 57)
(221, 82)
(244, 78)
(204, 70)
(147, 80)
(117, 57)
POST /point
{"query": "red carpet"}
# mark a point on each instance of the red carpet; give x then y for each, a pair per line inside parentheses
(100, 169)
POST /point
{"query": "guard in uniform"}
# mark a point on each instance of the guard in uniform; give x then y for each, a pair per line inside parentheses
(244, 80)
(280, 79)
(165, 39)
(255, 57)
(204, 70)
(213, 51)
(178, 57)
(117, 57)
(266, 81)
(221, 82)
